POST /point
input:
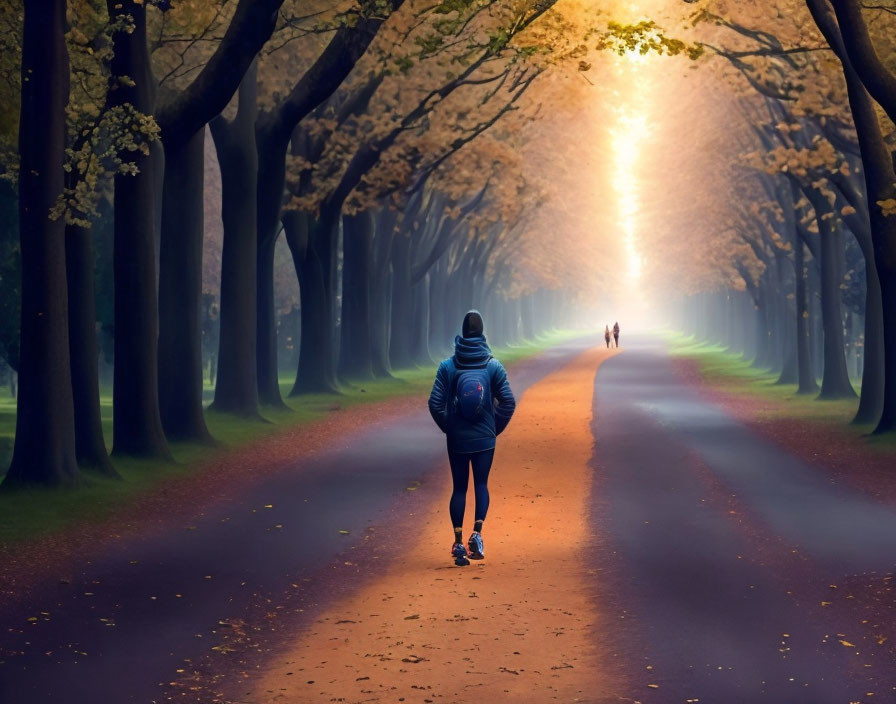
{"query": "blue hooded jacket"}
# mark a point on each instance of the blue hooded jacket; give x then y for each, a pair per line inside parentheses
(478, 435)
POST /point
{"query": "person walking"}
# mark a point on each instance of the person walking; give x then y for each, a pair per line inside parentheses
(472, 403)
(616, 333)
(607, 336)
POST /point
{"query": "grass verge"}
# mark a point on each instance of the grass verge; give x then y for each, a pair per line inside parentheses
(30, 513)
(732, 374)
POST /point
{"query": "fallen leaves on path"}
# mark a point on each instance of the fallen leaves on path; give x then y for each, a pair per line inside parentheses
(184, 497)
(521, 624)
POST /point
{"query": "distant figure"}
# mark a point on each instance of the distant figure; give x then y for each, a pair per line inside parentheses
(607, 335)
(616, 333)
(472, 403)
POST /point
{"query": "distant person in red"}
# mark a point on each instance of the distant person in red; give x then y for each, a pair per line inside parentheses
(616, 333)
(472, 403)
(607, 336)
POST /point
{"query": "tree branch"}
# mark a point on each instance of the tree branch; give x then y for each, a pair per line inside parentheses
(876, 77)
(185, 113)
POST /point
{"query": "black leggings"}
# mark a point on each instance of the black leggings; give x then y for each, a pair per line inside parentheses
(460, 475)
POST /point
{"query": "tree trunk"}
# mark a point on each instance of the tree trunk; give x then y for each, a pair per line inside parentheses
(813, 322)
(137, 424)
(266, 328)
(182, 120)
(380, 329)
(180, 293)
(775, 321)
(273, 132)
(731, 323)
(872, 396)
(437, 309)
(44, 449)
(835, 382)
(89, 443)
(451, 305)
(849, 338)
(402, 304)
(805, 368)
(761, 349)
(878, 383)
(880, 184)
(381, 293)
(355, 359)
(886, 257)
(236, 390)
(786, 343)
(313, 246)
(420, 327)
(269, 197)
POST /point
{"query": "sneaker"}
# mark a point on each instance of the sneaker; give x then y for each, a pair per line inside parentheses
(459, 552)
(477, 550)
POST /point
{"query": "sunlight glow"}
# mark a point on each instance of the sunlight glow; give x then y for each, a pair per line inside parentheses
(634, 57)
(627, 135)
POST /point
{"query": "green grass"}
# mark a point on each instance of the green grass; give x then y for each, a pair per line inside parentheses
(30, 513)
(733, 374)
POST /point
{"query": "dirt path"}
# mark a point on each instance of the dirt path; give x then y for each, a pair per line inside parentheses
(177, 604)
(739, 570)
(643, 545)
(852, 459)
(520, 624)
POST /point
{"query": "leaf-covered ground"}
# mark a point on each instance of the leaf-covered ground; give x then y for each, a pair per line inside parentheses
(646, 544)
(521, 624)
(222, 562)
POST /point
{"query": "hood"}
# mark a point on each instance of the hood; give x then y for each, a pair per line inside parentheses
(471, 351)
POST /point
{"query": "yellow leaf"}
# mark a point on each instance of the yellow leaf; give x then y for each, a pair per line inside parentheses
(846, 644)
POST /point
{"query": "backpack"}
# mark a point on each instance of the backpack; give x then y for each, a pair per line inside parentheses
(471, 392)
